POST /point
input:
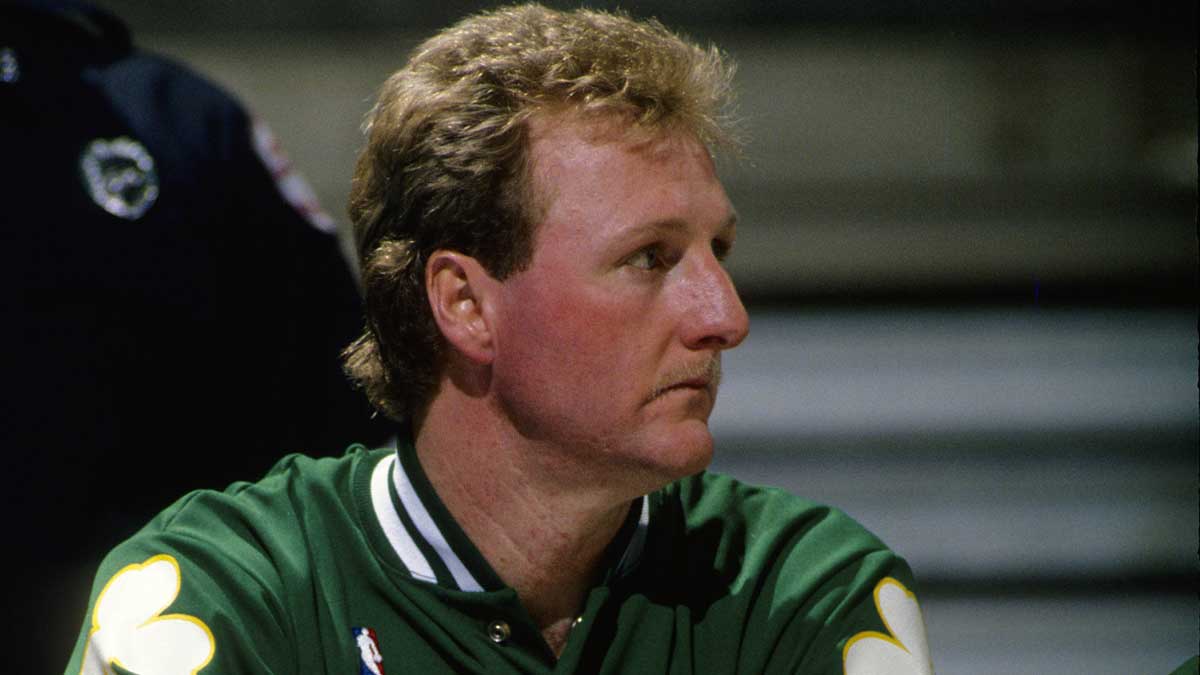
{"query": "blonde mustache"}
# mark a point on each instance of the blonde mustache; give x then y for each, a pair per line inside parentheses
(708, 369)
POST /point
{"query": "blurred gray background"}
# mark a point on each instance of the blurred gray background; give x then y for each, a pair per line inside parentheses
(969, 252)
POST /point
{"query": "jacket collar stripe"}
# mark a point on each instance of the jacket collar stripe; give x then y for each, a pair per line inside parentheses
(633, 552)
(397, 535)
(430, 532)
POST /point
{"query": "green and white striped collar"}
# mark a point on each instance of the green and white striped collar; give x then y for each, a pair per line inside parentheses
(431, 545)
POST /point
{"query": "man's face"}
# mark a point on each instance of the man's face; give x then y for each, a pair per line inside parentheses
(608, 345)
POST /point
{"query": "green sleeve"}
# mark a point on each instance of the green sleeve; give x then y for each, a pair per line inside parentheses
(864, 620)
(814, 591)
(833, 599)
(192, 592)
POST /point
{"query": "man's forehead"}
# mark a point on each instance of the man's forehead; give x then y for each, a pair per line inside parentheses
(596, 127)
(550, 127)
(600, 178)
(566, 141)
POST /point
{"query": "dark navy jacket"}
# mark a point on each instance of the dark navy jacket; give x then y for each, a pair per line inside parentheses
(184, 336)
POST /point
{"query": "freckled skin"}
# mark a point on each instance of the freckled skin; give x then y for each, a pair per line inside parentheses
(585, 335)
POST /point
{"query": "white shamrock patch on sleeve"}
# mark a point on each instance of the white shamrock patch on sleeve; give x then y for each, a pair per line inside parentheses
(129, 629)
(905, 651)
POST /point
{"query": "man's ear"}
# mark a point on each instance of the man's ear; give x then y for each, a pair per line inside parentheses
(459, 290)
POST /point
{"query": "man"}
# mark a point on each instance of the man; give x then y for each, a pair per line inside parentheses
(541, 232)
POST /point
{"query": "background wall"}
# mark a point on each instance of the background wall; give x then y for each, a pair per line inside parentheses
(970, 257)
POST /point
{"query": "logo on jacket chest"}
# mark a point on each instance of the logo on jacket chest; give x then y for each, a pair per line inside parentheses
(370, 660)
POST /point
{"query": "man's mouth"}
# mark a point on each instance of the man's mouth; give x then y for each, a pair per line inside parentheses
(692, 383)
(701, 376)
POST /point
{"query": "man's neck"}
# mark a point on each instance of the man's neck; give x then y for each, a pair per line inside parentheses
(546, 542)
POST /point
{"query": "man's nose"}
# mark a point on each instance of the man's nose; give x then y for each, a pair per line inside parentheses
(714, 316)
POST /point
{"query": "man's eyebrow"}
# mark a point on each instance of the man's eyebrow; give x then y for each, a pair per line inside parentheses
(673, 225)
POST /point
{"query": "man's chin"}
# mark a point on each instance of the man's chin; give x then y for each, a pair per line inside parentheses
(659, 454)
(686, 449)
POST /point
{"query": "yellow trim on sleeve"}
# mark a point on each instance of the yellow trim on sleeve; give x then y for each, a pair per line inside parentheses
(155, 617)
(879, 608)
(886, 637)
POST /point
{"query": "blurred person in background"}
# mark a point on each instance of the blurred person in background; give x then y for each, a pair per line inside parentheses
(174, 300)
(542, 233)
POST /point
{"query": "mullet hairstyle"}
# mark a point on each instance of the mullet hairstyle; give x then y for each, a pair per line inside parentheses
(445, 164)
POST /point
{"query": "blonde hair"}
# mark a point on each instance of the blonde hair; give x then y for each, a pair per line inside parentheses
(444, 166)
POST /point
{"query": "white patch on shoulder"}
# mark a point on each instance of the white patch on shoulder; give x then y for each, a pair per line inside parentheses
(119, 176)
(294, 188)
(905, 651)
(129, 629)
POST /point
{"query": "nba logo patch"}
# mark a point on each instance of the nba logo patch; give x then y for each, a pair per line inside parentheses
(370, 661)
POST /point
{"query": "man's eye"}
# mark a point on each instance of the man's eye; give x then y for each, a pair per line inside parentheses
(645, 259)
